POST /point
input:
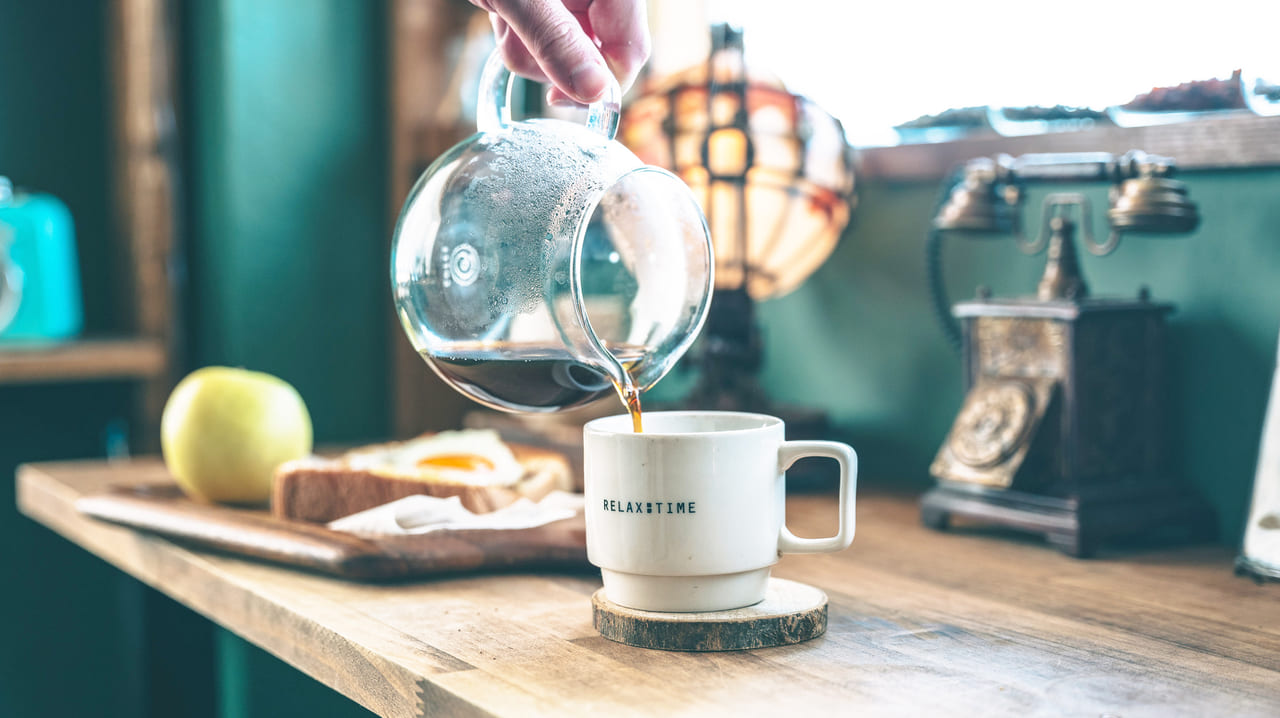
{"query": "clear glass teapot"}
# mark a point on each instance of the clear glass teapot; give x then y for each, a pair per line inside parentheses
(539, 264)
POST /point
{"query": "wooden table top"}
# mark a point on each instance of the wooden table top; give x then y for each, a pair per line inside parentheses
(921, 623)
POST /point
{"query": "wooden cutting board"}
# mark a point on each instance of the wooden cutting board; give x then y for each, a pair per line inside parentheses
(163, 509)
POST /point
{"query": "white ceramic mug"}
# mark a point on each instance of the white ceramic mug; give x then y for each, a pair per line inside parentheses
(690, 514)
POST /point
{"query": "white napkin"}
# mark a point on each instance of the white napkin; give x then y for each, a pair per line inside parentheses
(421, 514)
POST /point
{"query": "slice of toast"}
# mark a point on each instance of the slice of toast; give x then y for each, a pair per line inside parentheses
(324, 489)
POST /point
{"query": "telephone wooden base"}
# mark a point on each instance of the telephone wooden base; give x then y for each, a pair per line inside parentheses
(1077, 526)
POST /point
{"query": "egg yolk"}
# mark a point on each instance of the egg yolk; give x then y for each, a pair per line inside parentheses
(463, 462)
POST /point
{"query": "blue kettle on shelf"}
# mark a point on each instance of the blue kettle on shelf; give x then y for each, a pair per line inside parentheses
(39, 275)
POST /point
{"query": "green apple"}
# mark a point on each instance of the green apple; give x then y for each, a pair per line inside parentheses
(224, 431)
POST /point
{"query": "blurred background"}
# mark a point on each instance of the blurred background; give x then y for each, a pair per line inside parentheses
(233, 170)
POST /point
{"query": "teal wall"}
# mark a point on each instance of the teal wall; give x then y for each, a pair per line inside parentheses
(286, 232)
(288, 224)
(65, 611)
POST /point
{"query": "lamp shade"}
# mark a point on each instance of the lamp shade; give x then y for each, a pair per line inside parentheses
(772, 170)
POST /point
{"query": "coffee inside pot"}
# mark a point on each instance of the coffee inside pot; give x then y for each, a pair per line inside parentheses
(539, 265)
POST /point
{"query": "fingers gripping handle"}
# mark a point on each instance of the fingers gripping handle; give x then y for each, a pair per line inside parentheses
(790, 452)
(493, 108)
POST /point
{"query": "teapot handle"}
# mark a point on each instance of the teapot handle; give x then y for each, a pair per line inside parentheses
(493, 108)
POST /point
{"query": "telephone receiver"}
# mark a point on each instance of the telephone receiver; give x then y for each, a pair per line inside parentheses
(983, 198)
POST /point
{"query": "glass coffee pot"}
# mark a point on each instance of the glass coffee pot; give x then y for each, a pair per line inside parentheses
(539, 264)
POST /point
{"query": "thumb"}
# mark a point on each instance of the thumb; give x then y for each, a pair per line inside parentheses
(559, 45)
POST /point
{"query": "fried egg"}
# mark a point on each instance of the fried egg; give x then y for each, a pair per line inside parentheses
(473, 456)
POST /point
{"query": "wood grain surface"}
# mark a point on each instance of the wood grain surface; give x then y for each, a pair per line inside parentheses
(81, 360)
(920, 623)
(156, 505)
(790, 613)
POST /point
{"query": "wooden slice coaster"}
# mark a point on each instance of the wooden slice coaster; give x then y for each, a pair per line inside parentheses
(790, 613)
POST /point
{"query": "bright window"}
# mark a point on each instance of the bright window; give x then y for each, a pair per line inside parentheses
(878, 64)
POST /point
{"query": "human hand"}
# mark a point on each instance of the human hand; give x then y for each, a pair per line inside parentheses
(571, 43)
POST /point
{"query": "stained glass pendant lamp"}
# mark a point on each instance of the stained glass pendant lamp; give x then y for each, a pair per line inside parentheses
(774, 174)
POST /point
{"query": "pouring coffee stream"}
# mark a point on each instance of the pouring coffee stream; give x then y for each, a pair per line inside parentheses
(631, 397)
(540, 264)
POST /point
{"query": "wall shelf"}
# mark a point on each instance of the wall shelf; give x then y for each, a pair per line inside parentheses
(82, 360)
(1237, 142)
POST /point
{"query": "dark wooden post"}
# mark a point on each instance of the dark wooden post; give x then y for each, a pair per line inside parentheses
(146, 194)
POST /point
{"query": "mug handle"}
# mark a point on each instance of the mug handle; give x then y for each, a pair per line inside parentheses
(788, 454)
(493, 107)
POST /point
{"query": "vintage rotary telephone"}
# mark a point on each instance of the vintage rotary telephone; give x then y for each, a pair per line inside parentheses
(1062, 427)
